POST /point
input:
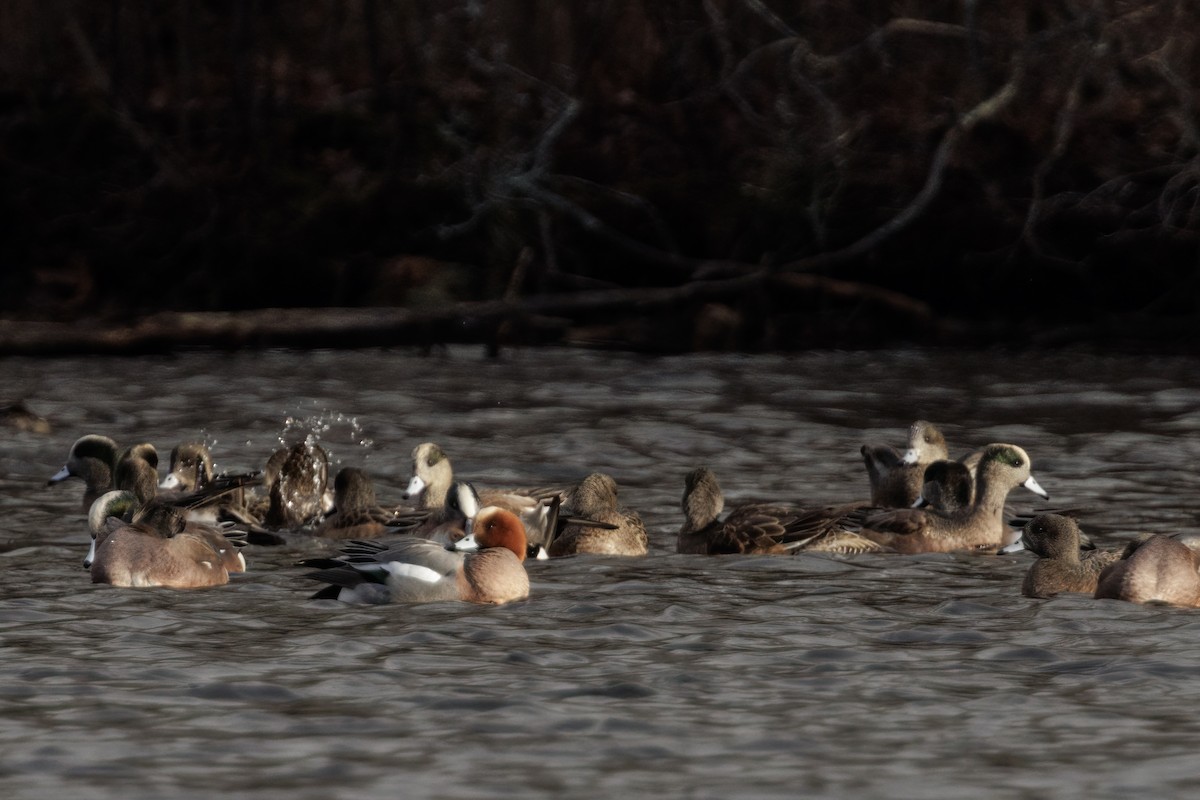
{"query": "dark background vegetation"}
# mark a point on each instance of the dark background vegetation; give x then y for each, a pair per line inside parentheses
(667, 175)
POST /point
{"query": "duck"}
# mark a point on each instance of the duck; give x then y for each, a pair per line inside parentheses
(1153, 569)
(946, 486)
(448, 524)
(137, 546)
(595, 498)
(93, 459)
(977, 528)
(357, 514)
(296, 479)
(486, 566)
(19, 416)
(761, 528)
(137, 471)
(433, 476)
(1062, 565)
(219, 499)
(191, 468)
(896, 477)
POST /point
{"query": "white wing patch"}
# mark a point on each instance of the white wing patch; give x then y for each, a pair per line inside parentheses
(401, 569)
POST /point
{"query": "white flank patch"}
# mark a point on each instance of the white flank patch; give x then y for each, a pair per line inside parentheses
(403, 570)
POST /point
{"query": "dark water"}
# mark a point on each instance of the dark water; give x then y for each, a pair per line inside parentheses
(673, 676)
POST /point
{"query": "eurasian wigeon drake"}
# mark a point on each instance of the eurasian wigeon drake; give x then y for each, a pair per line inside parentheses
(433, 476)
(486, 566)
(896, 477)
(296, 480)
(131, 548)
(93, 459)
(979, 527)
(595, 498)
(1153, 569)
(761, 528)
(1062, 564)
(191, 468)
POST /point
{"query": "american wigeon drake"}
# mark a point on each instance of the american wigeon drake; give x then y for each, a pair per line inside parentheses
(296, 479)
(357, 514)
(191, 468)
(93, 459)
(595, 499)
(1062, 564)
(484, 567)
(433, 475)
(132, 551)
(896, 477)
(979, 527)
(1153, 569)
(761, 528)
(947, 486)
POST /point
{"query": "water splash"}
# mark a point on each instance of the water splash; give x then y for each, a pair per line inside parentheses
(333, 430)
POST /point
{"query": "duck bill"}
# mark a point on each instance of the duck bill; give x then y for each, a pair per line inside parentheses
(61, 475)
(1032, 485)
(91, 556)
(170, 482)
(1015, 547)
(910, 456)
(415, 487)
(467, 544)
(920, 502)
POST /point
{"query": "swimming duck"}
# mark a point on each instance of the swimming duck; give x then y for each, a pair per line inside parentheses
(297, 479)
(595, 498)
(947, 486)
(191, 468)
(357, 515)
(1153, 569)
(433, 475)
(896, 477)
(1062, 565)
(137, 471)
(20, 417)
(979, 527)
(486, 566)
(761, 528)
(92, 458)
(134, 546)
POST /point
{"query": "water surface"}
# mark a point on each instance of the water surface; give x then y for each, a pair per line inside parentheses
(680, 676)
